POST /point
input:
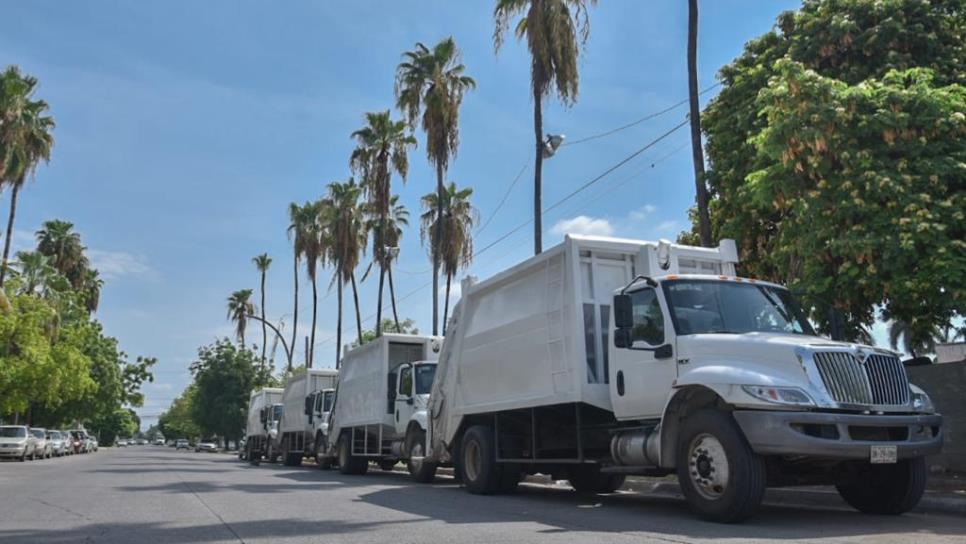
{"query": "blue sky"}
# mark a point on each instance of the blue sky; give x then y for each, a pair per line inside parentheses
(184, 129)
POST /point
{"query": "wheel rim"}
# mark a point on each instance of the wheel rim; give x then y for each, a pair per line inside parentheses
(708, 466)
(472, 460)
(416, 456)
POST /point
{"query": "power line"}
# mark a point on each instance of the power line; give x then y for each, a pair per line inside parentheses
(504, 199)
(639, 121)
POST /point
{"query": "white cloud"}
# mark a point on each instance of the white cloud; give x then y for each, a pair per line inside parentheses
(643, 212)
(116, 264)
(583, 225)
(668, 227)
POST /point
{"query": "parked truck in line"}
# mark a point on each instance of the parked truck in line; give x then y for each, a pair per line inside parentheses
(603, 357)
(322, 402)
(380, 405)
(297, 428)
(261, 429)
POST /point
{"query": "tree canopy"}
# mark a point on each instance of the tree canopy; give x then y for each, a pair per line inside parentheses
(837, 160)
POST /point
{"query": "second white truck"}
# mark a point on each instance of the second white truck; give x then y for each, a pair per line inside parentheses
(297, 429)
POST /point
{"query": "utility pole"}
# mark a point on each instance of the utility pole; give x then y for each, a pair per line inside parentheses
(697, 154)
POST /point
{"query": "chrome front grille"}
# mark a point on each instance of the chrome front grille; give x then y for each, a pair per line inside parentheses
(880, 380)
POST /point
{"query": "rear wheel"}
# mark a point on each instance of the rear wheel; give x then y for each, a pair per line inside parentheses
(324, 462)
(887, 489)
(588, 479)
(348, 463)
(421, 470)
(721, 477)
(478, 467)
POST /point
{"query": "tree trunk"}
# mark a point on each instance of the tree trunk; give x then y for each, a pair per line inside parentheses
(392, 297)
(338, 326)
(355, 297)
(697, 154)
(538, 173)
(295, 318)
(264, 328)
(435, 250)
(6, 242)
(382, 280)
(310, 356)
(449, 279)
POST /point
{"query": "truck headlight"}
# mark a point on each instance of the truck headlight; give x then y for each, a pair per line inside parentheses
(791, 396)
(921, 402)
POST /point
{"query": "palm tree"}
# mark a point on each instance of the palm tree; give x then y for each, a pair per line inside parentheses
(92, 285)
(382, 148)
(262, 262)
(346, 227)
(240, 307)
(25, 140)
(431, 83)
(455, 225)
(555, 31)
(308, 237)
(34, 270)
(392, 231)
(58, 240)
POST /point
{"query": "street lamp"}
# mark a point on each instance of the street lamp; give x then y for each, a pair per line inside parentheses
(551, 144)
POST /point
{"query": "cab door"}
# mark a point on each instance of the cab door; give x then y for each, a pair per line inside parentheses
(645, 369)
(405, 400)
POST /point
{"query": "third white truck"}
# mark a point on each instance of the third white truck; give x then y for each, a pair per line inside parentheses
(606, 357)
(297, 437)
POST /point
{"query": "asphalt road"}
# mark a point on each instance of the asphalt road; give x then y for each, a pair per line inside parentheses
(151, 495)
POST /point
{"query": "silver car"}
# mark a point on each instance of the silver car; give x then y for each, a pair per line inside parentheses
(17, 442)
(68, 447)
(56, 441)
(44, 450)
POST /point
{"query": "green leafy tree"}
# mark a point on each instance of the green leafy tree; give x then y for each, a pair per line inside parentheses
(224, 375)
(837, 159)
(382, 148)
(555, 31)
(430, 84)
(25, 141)
(455, 226)
(406, 326)
(178, 420)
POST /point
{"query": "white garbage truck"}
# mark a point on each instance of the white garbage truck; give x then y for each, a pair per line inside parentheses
(261, 430)
(380, 405)
(322, 402)
(297, 429)
(606, 357)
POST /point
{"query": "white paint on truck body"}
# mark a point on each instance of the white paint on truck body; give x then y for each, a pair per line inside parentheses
(298, 387)
(259, 399)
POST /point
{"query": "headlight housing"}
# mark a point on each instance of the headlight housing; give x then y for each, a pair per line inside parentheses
(921, 402)
(788, 396)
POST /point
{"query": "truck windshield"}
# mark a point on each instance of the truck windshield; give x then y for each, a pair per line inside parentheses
(424, 378)
(277, 412)
(13, 432)
(327, 401)
(710, 306)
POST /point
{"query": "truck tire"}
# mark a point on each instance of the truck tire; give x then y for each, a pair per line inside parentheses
(421, 470)
(721, 477)
(324, 462)
(350, 464)
(887, 489)
(588, 480)
(480, 472)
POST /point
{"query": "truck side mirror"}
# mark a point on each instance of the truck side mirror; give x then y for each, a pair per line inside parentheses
(622, 338)
(309, 401)
(623, 312)
(262, 416)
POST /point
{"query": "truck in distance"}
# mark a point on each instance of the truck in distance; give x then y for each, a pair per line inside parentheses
(380, 405)
(604, 357)
(297, 428)
(261, 429)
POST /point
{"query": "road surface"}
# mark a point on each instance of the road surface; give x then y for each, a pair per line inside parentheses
(153, 494)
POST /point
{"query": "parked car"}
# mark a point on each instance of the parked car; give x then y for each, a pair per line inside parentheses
(78, 440)
(208, 446)
(17, 442)
(65, 436)
(44, 448)
(142, 442)
(158, 441)
(93, 443)
(181, 444)
(56, 440)
(121, 443)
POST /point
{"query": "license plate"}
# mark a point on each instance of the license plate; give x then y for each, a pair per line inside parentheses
(880, 455)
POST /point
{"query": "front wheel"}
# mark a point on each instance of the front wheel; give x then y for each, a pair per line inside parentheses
(421, 470)
(886, 489)
(721, 477)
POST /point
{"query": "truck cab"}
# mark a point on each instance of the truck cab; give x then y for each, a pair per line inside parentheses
(319, 407)
(409, 393)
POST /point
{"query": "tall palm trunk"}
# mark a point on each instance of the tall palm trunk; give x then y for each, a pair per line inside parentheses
(310, 356)
(338, 326)
(264, 328)
(295, 319)
(382, 280)
(537, 173)
(392, 297)
(697, 154)
(436, 244)
(449, 279)
(355, 297)
(6, 242)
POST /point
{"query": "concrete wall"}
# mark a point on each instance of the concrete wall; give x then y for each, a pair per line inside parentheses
(946, 385)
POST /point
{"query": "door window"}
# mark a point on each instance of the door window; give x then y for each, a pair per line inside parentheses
(648, 319)
(406, 381)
